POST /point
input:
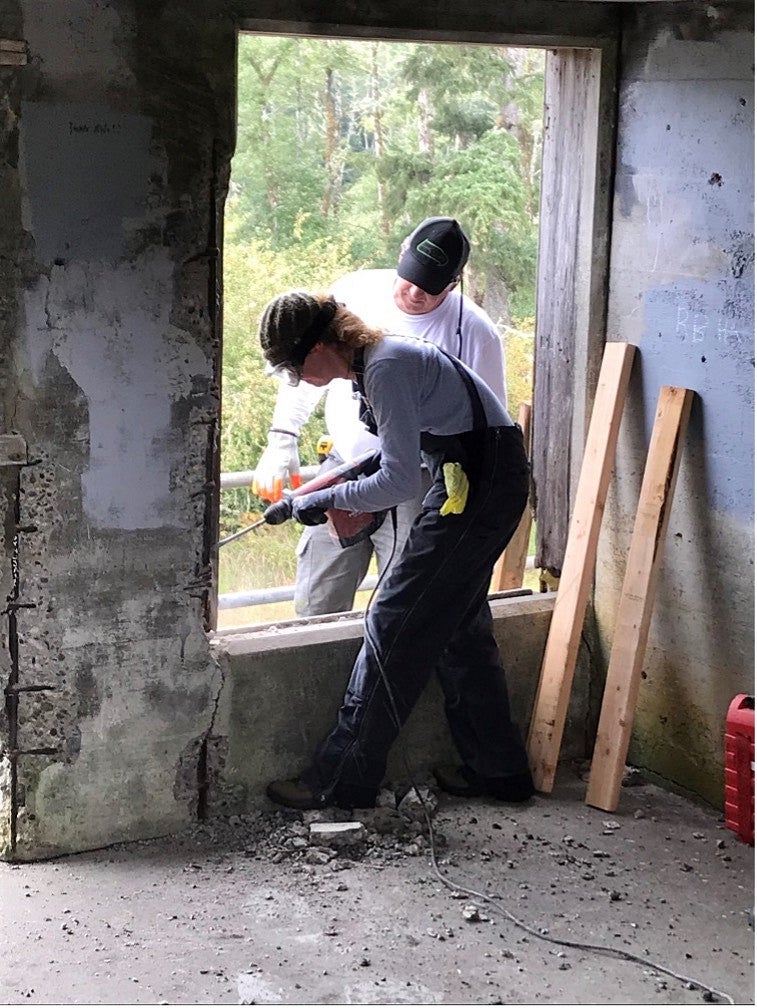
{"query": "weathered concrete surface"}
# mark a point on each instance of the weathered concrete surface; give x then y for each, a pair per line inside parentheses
(681, 288)
(115, 139)
(283, 687)
(12, 453)
(246, 911)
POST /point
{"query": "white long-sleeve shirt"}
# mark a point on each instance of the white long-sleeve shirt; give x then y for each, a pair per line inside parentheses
(368, 293)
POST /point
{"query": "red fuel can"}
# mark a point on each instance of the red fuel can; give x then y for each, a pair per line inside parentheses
(739, 767)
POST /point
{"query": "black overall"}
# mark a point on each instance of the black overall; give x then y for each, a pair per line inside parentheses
(432, 614)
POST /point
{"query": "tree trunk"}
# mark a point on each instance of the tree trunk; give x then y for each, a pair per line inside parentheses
(333, 161)
(425, 132)
(379, 144)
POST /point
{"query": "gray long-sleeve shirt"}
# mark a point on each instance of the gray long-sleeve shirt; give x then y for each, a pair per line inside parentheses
(413, 388)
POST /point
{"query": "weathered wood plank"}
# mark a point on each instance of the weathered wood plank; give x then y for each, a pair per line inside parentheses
(637, 598)
(519, 22)
(571, 289)
(558, 665)
(510, 568)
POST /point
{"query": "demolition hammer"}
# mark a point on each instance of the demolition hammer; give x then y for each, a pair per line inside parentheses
(348, 527)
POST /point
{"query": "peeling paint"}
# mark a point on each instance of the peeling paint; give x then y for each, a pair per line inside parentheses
(128, 365)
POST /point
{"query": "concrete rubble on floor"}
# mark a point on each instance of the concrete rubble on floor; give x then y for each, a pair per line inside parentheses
(273, 908)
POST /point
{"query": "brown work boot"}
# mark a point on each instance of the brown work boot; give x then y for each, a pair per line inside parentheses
(294, 794)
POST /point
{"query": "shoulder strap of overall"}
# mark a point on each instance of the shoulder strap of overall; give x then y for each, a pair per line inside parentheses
(366, 411)
(477, 407)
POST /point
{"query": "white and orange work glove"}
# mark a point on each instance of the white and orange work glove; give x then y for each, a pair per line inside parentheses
(279, 466)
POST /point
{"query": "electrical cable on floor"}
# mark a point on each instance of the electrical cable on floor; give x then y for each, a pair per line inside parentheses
(607, 950)
(711, 993)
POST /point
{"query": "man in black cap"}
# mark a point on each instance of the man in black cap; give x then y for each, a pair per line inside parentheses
(435, 249)
(418, 299)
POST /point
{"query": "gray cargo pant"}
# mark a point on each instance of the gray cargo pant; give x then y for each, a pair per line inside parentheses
(328, 575)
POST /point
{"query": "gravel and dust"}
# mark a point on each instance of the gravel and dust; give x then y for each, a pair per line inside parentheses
(260, 909)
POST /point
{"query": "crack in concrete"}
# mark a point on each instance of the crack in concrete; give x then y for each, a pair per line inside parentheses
(11, 693)
(203, 775)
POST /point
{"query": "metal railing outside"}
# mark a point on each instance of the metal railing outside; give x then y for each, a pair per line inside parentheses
(264, 596)
(284, 593)
(243, 478)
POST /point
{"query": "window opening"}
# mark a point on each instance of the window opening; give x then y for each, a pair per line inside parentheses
(342, 148)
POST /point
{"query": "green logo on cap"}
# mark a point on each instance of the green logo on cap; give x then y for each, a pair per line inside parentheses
(430, 251)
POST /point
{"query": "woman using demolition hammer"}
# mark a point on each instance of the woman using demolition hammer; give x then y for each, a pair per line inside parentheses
(431, 612)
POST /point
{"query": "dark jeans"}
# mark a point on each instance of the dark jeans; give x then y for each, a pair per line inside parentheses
(430, 614)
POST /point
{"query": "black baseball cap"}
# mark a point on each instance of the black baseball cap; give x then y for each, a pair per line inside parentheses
(434, 254)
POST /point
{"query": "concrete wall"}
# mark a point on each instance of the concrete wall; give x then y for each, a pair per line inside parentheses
(681, 288)
(108, 369)
(116, 132)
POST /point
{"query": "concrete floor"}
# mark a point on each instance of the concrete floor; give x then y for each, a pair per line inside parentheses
(246, 911)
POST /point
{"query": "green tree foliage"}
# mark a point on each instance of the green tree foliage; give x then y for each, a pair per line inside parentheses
(461, 86)
(290, 150)
(352, 140)
(342, 148)
(519, 337)
(484, 183)
(254, 273)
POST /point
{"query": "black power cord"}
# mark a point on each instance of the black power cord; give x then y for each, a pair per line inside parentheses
(712, 994)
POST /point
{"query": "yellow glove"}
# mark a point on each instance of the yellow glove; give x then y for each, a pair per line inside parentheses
(456, 483)
(324, 446)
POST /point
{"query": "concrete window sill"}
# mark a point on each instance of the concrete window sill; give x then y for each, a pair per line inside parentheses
(349, 626)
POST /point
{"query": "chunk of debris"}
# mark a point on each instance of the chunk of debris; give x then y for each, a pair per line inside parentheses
(327, 815)
(318, 856)
(383, 820)
(472, 914)
(418, 803)
(386, 799)
(337, 834)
